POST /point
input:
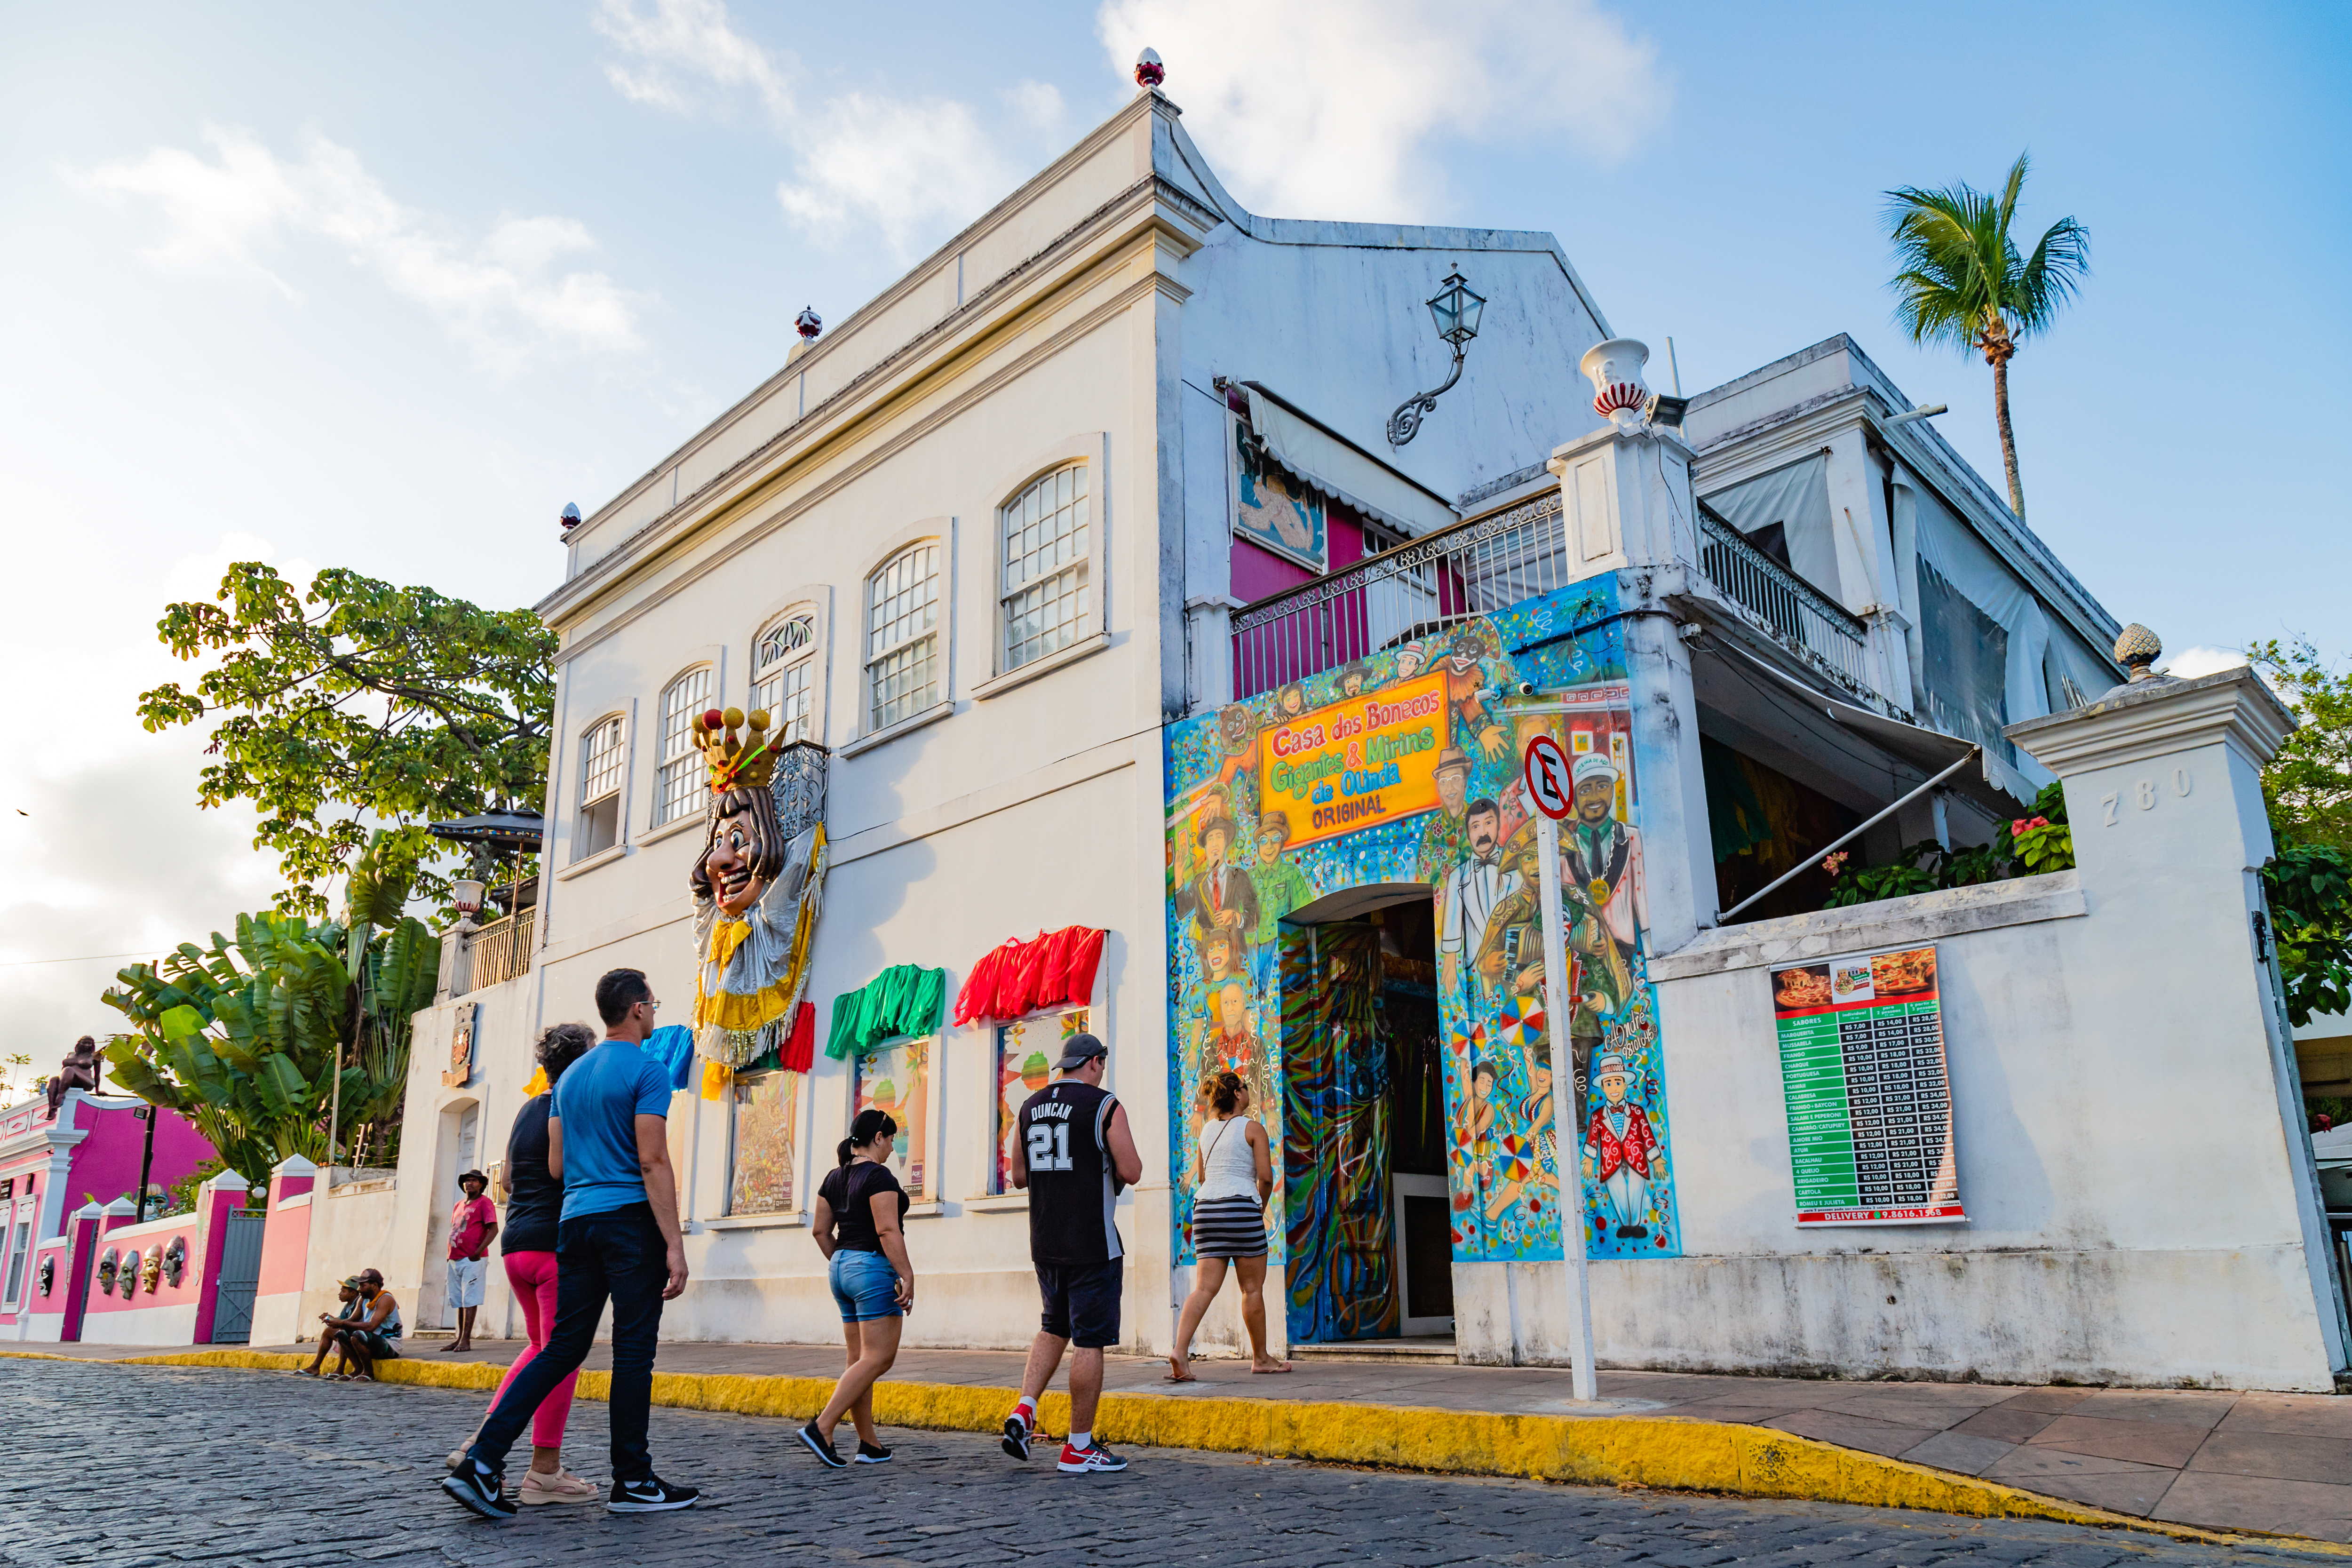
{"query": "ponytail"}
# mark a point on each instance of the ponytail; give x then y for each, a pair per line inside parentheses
(871, 1123)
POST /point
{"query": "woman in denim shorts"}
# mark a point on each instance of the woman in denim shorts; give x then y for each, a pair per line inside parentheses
(859, 1210)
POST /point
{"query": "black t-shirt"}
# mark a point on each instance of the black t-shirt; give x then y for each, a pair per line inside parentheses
(1073, 1198)
(538, 1201)
(850, 1190)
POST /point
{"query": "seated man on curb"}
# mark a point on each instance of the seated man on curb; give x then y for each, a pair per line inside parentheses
(330, 1330)
(376, 1336)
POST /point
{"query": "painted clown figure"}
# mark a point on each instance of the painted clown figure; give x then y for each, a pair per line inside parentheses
(1621, 1154)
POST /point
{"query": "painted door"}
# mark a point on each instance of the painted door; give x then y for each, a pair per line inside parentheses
(240, 1270)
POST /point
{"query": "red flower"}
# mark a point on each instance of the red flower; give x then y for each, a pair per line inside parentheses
(2025, 824)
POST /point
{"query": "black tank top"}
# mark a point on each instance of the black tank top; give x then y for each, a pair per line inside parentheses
(1066, 1139)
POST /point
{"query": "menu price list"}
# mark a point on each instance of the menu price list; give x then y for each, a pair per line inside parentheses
(1869, 1101)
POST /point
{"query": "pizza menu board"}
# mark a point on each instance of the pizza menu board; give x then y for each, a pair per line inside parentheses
(1870, 1105)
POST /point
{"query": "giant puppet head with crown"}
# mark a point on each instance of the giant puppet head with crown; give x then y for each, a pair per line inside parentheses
(756, 886)
(743, 842)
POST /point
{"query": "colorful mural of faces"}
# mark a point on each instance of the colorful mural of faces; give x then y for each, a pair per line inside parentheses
(1348, 778)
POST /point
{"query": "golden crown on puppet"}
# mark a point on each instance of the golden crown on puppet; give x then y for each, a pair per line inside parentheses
(736, 762)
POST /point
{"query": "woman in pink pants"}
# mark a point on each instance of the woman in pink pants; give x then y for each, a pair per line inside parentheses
(534, 1203)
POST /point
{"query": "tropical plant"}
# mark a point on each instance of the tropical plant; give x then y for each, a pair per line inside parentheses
(244, 1037)
(357, 698)
(2027, 846)
(1962, 281)
(2308, 784)
(2309, 887)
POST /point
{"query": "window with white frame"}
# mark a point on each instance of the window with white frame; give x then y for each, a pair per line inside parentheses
(783, 666)
(600, 789)
(1044, 592)
(902, 637)
(678, 786)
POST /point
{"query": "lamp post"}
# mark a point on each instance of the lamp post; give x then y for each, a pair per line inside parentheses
(1455, 310)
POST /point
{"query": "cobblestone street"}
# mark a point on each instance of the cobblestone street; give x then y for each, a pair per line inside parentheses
(126, 1466)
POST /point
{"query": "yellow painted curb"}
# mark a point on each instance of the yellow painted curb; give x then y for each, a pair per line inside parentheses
(1683, 1455)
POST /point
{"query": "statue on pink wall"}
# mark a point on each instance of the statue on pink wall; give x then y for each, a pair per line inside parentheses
(80, 1070)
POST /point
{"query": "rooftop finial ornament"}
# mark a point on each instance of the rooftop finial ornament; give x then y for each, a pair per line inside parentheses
(2137, 650)
(571, 517)
(1149, 71)
(809, 322)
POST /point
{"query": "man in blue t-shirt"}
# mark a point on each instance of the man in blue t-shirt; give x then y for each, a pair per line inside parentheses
(607, 1142)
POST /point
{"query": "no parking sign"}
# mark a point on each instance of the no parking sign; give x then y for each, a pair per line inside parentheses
(1545, 771)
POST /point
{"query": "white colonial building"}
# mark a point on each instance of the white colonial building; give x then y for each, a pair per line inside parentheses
(1038, 542)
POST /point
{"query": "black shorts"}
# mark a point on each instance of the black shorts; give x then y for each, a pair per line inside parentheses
(1082, 1301)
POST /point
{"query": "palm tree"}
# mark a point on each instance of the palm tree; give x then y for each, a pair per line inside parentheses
(1963, 283)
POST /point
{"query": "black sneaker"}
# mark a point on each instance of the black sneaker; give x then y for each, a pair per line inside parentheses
(651, 1495)
(872, 1453)
(481, 1489)
(821, 1448)
(1016, 1436)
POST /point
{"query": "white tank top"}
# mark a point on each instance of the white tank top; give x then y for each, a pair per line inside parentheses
(1231, 1167)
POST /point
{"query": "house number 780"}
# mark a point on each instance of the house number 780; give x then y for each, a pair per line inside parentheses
(2144, 795)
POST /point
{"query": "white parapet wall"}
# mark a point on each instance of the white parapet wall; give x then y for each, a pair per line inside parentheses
(2141, 1206)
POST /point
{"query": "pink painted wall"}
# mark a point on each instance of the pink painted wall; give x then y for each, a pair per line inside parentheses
(286, 1240)
(106, 1165)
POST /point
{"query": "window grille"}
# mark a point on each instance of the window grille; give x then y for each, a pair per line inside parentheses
(902, 620)
(600, 789)
(1045, 592)
(782, 667)
(679, 787)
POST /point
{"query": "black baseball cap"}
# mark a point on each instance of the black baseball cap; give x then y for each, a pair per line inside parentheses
(1079, 1050)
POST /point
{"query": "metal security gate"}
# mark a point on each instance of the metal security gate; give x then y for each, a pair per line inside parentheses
(240, 1272)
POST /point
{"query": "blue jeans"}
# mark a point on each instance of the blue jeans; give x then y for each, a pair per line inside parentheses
(618, 1254)
(864, 1285)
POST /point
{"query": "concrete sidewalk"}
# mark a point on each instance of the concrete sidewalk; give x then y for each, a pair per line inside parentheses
(2276, 1463)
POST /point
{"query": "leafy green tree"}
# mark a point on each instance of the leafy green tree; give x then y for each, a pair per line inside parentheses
(244, 1036)
(2309, 887)
(357, 698)
(1964, 283)
(2308, 785)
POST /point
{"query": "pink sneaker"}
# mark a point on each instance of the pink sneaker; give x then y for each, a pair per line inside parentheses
(561, 1487)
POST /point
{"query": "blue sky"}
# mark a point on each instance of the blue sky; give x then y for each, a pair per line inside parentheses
(386, 289)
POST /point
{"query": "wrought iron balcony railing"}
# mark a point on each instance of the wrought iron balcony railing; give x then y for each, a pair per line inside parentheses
(1778, 601)
(1478, 566)
(501, 950)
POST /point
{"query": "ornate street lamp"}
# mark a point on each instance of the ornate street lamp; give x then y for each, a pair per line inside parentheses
(1455, 310)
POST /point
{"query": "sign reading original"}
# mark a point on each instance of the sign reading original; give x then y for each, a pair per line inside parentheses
(1368, 760)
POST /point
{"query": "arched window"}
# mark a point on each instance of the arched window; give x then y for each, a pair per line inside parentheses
(784, 663)
(601, 761)
(678, 786)
(902, 637)
(1044, 589)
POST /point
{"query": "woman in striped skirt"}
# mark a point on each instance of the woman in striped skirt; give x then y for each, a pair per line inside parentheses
(1232, 1176)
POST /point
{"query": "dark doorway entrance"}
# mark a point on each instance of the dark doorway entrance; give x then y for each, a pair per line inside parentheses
(1367, 1227)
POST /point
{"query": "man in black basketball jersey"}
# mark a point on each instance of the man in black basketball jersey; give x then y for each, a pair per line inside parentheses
(1078, 1154)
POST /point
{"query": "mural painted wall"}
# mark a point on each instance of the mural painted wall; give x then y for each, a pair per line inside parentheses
(1402, 767)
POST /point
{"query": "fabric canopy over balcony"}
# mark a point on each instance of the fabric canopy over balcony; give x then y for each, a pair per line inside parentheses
(1328, 462)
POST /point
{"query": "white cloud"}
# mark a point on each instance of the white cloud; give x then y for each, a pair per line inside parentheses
(864, 162)
(506, 299)
(2191, 662)
(1333, 108)
(907, 168)
(692, 37)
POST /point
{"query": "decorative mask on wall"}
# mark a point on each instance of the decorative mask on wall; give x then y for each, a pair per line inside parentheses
(756, 888)
(175, 1261)
(106, 1267)
(48, 1275)
(126, 1279)
(151, 1272)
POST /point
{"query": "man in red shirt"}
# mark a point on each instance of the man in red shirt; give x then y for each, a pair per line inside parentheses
(472, 1224)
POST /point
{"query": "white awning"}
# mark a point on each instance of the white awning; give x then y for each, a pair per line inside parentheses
(1324, 460)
